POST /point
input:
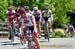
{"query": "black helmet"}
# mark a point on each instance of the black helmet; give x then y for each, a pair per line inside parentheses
(46, 7)
(26, 7)
(18, 10)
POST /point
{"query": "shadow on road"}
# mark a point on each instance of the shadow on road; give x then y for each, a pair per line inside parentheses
(43, 41)
(5, 42)
(9, 43)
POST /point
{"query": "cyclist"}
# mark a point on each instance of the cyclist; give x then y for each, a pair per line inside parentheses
(19, 18)
(38, 17)
(71, 30)
(29, 21)
(27, 9)
(47, 16)
(66, 30)
(10, 18)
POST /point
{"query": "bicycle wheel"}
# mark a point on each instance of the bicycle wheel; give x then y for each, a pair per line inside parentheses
(47, 32)
(47, 36)
(32, 45)
(35, 43)
(29, 45)
(22, 39)
(12, 32)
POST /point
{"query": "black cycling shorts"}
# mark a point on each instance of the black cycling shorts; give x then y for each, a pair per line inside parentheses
(31, 28)
(37, 18)
(46, 18)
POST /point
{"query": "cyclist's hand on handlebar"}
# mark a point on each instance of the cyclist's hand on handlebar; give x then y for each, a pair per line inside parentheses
(35, 30)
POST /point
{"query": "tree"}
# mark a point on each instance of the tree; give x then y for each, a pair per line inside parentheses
(3, 7)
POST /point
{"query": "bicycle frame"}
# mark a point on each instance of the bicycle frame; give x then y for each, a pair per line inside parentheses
(30, 40)
(11, 31)
(47, 31)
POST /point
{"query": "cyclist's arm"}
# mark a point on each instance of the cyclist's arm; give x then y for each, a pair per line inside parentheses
(40, 16)
(22, 26)
(33, 21)
(15, 18)
(51, 18)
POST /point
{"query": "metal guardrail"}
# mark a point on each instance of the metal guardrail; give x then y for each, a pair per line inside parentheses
(3, 28)
(3, 32)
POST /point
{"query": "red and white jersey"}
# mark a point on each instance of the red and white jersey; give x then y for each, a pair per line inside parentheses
(37, 13)
(10, 15)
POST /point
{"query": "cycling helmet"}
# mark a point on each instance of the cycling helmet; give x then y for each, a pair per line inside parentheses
(10, 8)
(18, 10)
(35, 8)
(22, 10)
(46, 7)
(26, 7)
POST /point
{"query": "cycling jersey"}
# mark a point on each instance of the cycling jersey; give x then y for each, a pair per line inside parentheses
(19, 19)
(46, 15)
(27, 21)
(37, 15)
(10, 15)
(71, 28)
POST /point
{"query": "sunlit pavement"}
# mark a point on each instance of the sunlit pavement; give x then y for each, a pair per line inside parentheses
(55, 43)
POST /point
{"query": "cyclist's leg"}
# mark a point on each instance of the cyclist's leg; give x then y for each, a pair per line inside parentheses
(9, 32)
(45, 27)
(50, 23)
(19, 27)
(35, 39)
(37, 43)
(37, 19)
(39, 28)
(12, 31)
(19, 22)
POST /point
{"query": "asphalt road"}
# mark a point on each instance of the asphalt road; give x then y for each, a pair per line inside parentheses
(55, 43)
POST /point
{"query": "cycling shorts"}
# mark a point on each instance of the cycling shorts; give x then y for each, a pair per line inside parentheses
(31, 28)
(37, 19)
(45, 20)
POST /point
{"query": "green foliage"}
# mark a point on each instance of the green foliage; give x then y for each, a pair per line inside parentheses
(61, 21)
(58, 7)
(3, 6)
(58, 33)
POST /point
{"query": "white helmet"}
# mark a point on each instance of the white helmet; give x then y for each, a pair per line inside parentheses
(35, 8)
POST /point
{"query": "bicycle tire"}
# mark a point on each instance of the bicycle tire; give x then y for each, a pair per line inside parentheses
(47, 31)
(12, 32)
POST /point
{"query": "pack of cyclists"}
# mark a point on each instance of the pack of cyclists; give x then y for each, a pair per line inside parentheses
(69, 30)
(22, 17)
